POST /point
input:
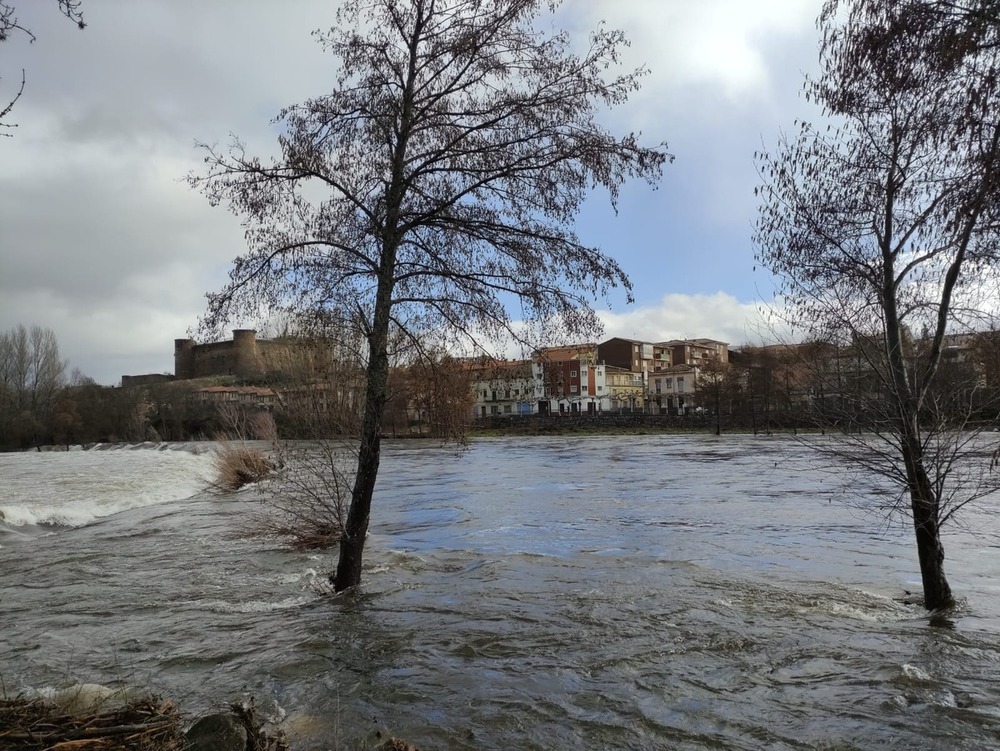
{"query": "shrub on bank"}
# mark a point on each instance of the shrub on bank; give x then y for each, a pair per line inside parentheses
(305, 504)
(237, 465)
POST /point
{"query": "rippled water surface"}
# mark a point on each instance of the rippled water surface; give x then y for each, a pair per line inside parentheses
(610, 593)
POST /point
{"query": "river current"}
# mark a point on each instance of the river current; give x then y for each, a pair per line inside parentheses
(652, 592)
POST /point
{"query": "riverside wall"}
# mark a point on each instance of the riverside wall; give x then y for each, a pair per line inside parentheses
(595, 423)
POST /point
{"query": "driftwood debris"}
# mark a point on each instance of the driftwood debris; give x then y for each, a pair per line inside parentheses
(142, 725)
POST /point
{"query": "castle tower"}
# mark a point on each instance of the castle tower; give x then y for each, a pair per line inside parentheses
(183, 359)
(245, 353)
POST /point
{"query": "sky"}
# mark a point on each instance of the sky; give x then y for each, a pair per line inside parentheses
(102, 240)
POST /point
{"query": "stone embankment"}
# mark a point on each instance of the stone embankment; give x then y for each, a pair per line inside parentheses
(596, 423)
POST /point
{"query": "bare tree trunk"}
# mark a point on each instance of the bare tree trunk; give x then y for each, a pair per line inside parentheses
(930, 551)
(924, 500)
(718, 408)
(352, 543)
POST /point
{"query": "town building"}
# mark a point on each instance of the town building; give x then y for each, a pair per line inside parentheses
(569, 379)
(673, 387)
(502, 388)
(626, 389)
(627, 354)
(258, 396)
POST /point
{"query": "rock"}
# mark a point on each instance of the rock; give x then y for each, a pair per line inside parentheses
(395, 744)
(217, 732)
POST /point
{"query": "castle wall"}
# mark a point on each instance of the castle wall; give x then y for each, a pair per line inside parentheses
(145, 380)
(244, 356)
(234, 358)
(244, 353)
(183, 358)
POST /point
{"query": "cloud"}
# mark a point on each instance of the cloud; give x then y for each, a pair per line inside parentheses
(718, 316)
(102, 240)
(712, 48)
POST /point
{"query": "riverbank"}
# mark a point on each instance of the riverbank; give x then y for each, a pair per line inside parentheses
(609, 423)
(89, 717)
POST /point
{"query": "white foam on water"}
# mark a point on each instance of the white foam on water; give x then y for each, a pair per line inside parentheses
(913, 674)
(255, 606)
(946, 699)
(84, 698)
(75, 488)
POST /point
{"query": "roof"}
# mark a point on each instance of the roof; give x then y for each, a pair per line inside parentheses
(624, 339)
(249, 390)
(688, 342)
(567, 352)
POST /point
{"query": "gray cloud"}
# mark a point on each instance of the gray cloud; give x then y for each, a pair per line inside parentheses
(101, 239)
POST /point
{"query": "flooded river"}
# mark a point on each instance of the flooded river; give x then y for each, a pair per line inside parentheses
(651, 592)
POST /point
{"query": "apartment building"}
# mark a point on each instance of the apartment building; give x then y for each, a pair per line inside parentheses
(617, 375)
(695, 352)
(633, 355)
(626, 389)
(570, 379)
(503, 388)
(673, 387)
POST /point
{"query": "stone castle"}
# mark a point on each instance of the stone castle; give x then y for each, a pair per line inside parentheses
(245, 356)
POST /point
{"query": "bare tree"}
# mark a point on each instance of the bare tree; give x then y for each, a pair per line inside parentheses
(885, 224)
(710, 389)
(317, 389)
(31, 375)
(455, 151)
(306, 501)
(9, 24)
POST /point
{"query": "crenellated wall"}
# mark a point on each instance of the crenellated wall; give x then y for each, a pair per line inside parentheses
(244, 356)
(238, 357)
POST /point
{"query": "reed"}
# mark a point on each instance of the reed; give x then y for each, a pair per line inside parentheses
(236, 465)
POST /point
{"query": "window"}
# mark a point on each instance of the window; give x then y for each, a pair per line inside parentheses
(572, 374)
(600, 388)
(657, 385)
(506, 409)
(572, 389)
(495, 410)
(670, 384)
(583, 389)
(680, 384)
